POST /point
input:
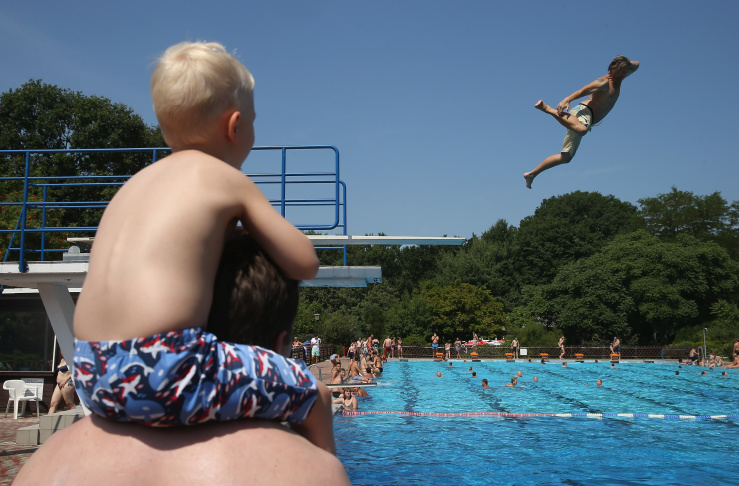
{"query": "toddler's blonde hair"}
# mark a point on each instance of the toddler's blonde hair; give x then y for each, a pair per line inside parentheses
(192, 85)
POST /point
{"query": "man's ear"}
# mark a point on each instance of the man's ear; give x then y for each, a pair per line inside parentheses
(280, 346)
(233, 125)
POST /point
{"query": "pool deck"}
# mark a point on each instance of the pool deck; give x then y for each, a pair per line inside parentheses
(12, 456)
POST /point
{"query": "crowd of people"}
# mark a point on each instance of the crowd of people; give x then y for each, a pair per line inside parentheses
(696, 358)
(366, 363)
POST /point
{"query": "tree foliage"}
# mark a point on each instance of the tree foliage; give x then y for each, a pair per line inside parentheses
(638, 286)
(487, 261)
(566, 228)
(39, 116)
(461, 309)
(586, 265)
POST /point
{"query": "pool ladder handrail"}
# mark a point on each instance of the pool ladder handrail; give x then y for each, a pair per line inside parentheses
(320, 378)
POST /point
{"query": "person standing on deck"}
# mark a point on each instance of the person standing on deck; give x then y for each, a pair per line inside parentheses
(434, 345)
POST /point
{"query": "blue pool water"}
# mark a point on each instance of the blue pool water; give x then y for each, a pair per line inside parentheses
(385, 449)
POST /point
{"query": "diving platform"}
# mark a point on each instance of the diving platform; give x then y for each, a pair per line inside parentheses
(384, 240)
(339, 240)
(58, 283)
(301, 182)
(71, 275)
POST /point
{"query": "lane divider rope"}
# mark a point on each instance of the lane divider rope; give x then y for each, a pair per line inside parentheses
(351, 413)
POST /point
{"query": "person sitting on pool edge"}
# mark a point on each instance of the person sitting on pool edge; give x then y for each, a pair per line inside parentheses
(264, 451)
(338, 376)
(354, 372)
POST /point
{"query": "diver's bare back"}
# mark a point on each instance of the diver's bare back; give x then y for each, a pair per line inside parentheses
(155, 255)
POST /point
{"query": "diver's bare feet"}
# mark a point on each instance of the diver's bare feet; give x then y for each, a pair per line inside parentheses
(529, 179)
(540, 105)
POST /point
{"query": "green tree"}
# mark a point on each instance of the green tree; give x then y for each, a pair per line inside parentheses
(41, 116)
(487, 261)
(339, 329)
(10, 218)
(566, 228)
(306, 324)
(373, 309)
(529, 329)
(638, 285)
(461, 309)
(587, 301)
(708, 218)
(410, 315)
(723, 329)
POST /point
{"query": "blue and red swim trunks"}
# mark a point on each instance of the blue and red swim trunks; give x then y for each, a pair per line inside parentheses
(190, 377)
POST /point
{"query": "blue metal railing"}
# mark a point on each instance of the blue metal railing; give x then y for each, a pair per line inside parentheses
(307, 182)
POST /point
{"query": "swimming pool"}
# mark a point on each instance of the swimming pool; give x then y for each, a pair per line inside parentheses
(491, 448)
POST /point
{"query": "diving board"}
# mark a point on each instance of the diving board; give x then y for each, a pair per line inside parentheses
(72, 274)
(341, 240)
(55, 282)
(384, 240)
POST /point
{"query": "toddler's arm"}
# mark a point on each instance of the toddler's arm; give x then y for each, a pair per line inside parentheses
(290, 249)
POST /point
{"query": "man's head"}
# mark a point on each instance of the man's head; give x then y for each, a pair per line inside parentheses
(252, 302)
(619, 66)
(193, 85)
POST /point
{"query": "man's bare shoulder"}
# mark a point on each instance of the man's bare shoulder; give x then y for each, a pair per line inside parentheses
(601, 83)
(264, 451)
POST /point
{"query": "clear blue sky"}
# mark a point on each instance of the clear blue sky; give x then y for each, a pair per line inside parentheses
(430, 102)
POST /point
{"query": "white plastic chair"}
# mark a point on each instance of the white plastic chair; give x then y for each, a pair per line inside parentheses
(20, 391)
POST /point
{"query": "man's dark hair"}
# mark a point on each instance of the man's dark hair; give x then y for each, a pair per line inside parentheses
(252, 301)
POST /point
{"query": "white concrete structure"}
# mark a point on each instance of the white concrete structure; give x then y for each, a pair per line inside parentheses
(56, 282)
